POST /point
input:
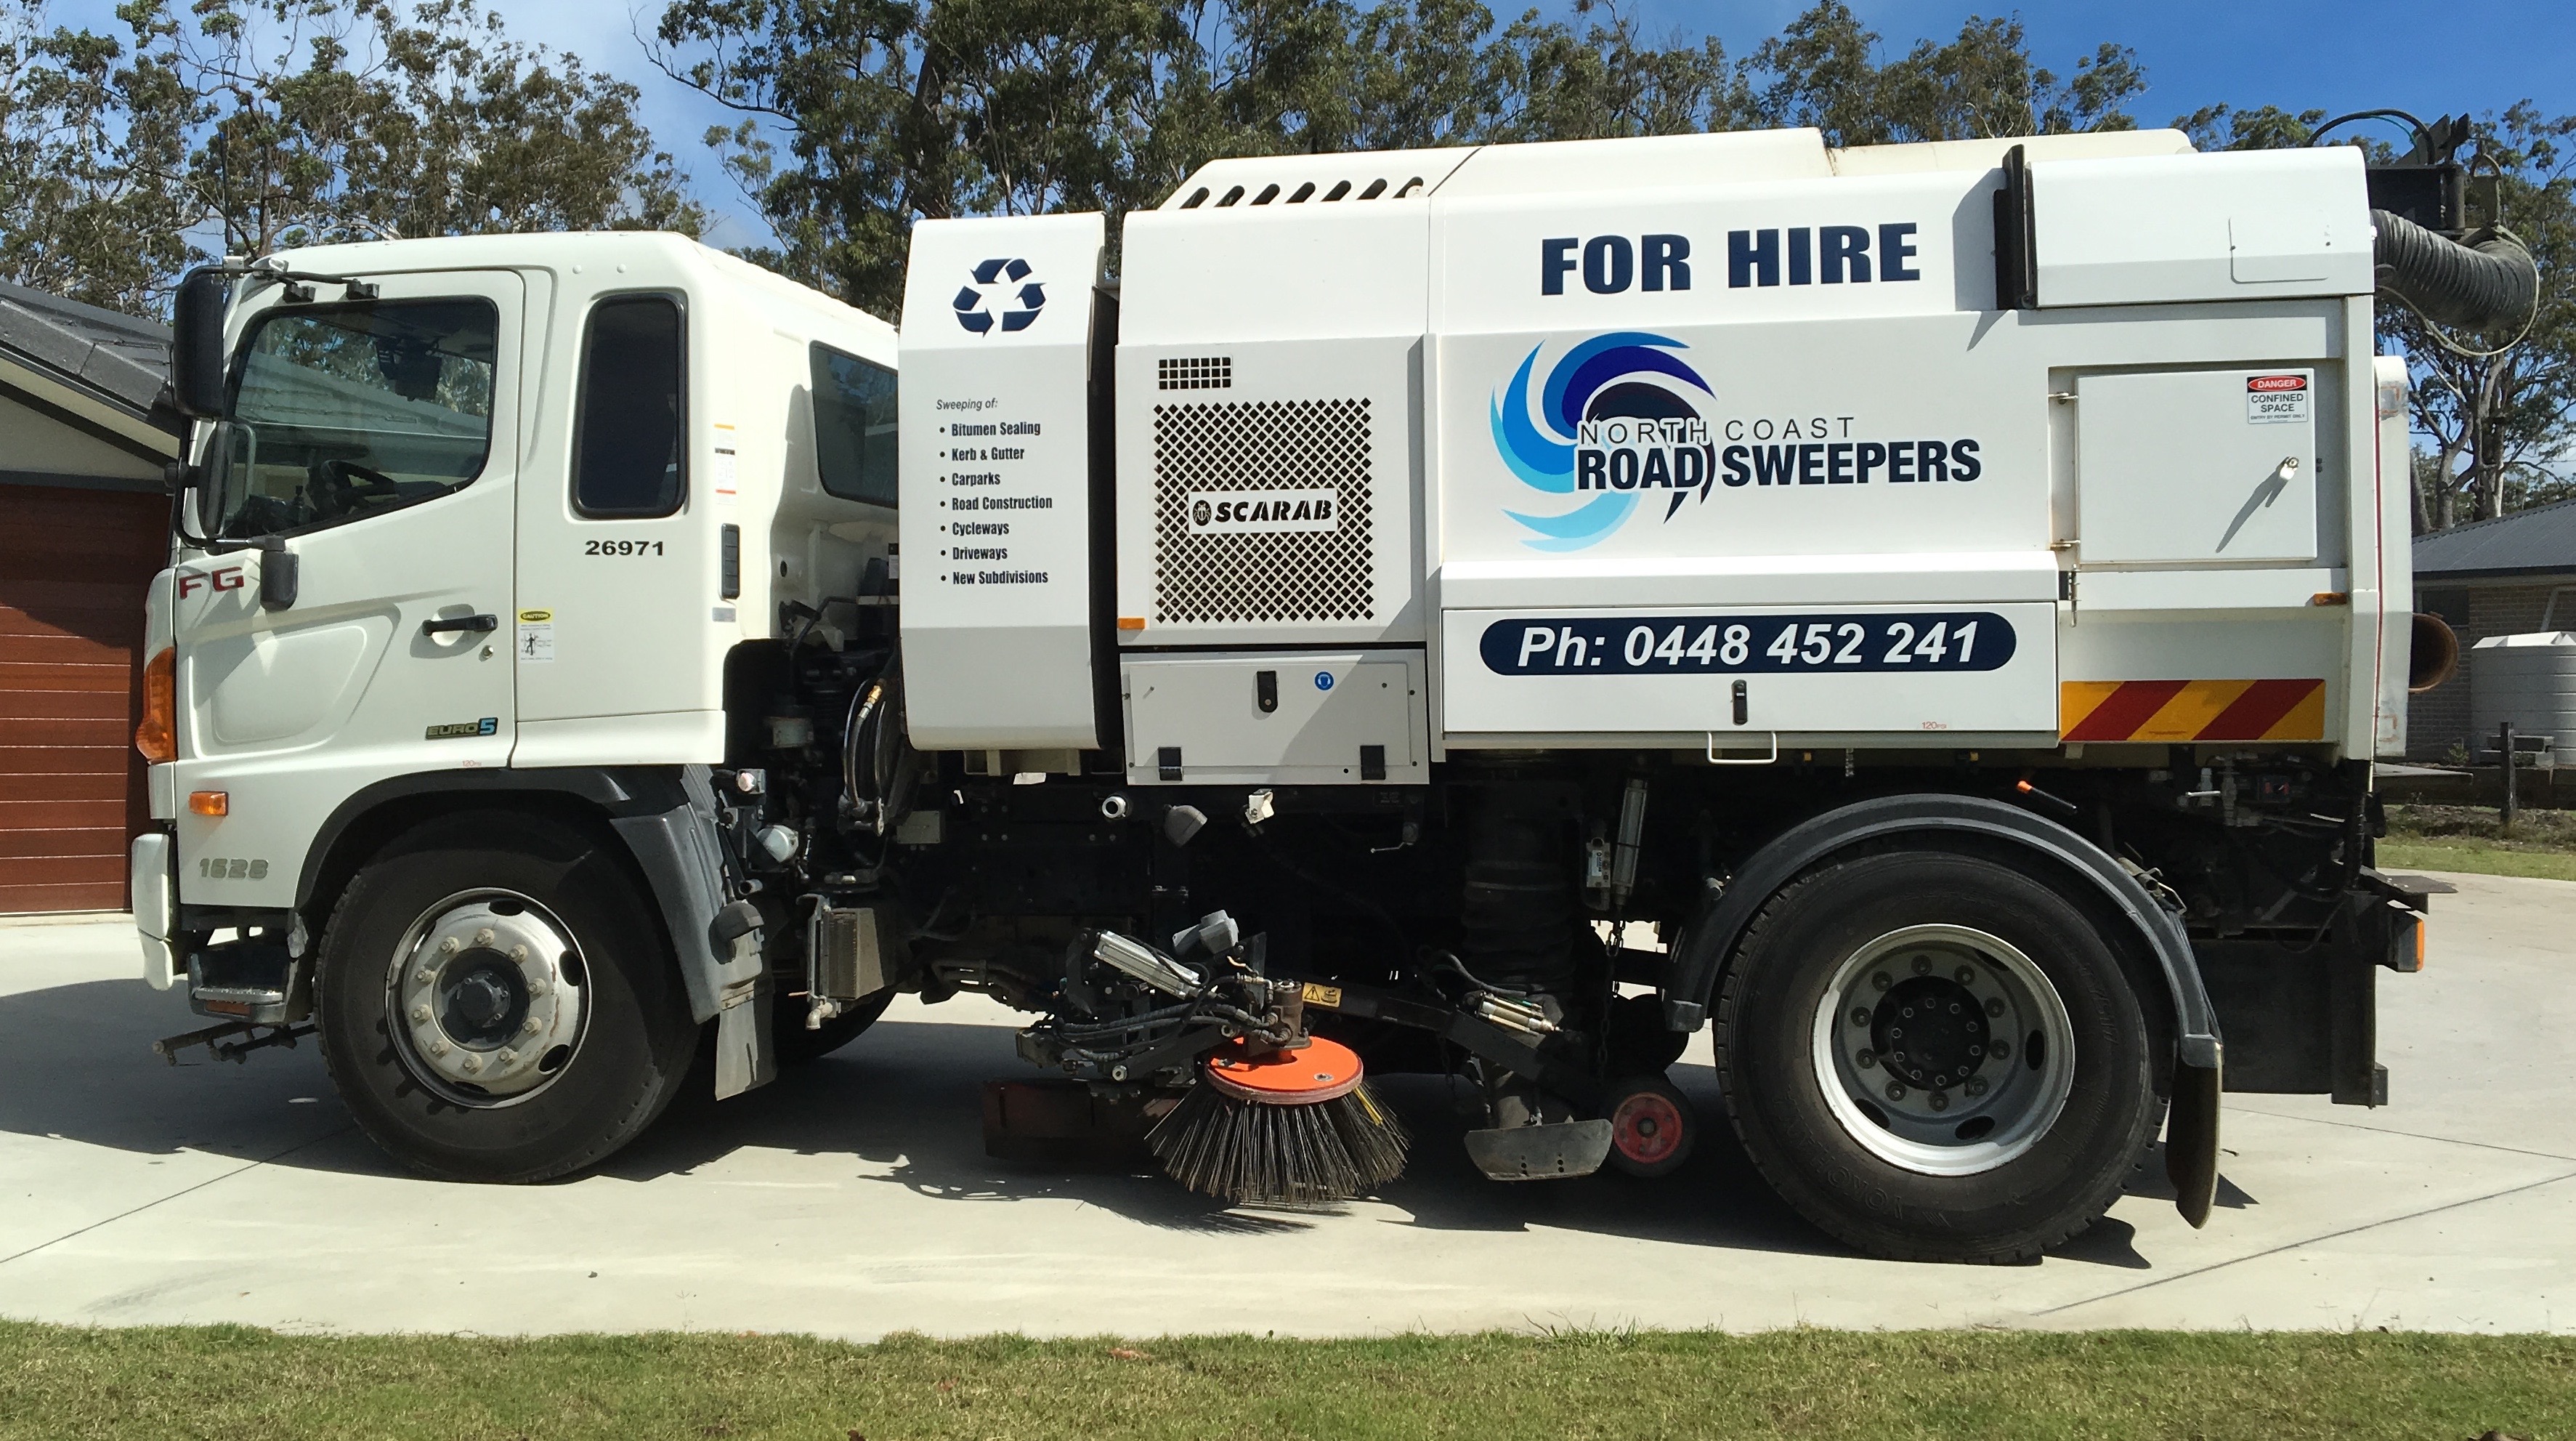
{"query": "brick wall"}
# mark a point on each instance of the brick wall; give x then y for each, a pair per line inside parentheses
(2438, 719)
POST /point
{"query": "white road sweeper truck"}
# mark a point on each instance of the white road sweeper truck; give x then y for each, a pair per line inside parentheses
(1925, 614)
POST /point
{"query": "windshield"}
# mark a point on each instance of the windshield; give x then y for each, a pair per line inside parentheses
(342, 412)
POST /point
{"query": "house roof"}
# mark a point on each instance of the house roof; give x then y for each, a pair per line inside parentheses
(117, 359)
(2538, 541)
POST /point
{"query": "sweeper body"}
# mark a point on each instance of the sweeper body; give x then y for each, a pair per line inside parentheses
(1926, 614)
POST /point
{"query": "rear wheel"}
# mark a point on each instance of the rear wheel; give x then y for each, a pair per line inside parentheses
(1936, 1056)
(496, 1003)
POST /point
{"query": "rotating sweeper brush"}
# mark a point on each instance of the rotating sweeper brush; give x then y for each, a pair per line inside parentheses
(1288, 1127)
(1268, 1113)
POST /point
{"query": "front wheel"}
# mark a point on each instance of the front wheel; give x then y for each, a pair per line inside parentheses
(495, 1003)
(1936, 1056)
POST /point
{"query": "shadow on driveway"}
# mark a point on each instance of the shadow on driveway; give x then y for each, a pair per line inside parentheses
(905, 1098)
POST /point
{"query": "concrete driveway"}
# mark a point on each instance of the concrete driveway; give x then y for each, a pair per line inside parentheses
(853, 1199)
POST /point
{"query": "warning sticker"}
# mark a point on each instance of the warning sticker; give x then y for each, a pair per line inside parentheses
(2276, 399)
(727, 476)
(536, 644)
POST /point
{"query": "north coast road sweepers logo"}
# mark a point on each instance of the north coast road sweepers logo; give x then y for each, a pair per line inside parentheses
(1618, 417)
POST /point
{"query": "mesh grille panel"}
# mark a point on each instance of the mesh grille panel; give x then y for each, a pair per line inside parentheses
(1262, 445)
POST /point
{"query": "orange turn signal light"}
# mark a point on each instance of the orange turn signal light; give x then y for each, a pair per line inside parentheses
(209, 803)
(157, 735)
(1131, 622)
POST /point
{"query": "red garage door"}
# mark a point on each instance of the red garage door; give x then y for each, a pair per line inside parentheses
(73, 567)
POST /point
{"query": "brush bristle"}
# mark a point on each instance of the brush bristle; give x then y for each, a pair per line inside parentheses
(1252, 1152)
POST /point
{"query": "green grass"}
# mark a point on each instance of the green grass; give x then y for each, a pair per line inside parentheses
(230, 1381)
(2473, 838)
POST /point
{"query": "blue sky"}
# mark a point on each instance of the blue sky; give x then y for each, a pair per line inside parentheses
(2338, 55)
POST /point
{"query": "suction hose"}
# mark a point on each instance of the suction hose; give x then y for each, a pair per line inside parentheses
(2492, 287)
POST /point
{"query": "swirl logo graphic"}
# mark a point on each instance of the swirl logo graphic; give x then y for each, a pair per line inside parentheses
(1013, 296)
(1616, 416)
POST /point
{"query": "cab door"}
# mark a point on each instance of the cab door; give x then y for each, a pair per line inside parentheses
(375, 441)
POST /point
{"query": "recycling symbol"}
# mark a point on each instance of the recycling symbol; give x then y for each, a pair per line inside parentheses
(1014, 297)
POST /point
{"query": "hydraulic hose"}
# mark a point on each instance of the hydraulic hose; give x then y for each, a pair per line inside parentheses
(2493, 287)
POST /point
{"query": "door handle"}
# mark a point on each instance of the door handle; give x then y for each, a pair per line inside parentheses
(478, 624)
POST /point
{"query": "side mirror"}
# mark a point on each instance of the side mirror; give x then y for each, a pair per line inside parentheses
(197, 344)
(200, 487)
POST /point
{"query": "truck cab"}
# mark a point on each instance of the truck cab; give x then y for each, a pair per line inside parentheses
(474, 524)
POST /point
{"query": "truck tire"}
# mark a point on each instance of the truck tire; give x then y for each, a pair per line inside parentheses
(1935, 1055)
(495, 1002)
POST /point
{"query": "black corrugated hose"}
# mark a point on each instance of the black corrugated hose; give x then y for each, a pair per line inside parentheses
(2492, 287)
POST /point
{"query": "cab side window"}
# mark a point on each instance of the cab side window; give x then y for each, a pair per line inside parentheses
(854, 427)
(341, 412)
(630, 455)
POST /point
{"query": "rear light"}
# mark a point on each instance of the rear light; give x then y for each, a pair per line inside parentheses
(158, 735)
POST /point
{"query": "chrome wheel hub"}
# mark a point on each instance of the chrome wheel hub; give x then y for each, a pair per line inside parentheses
(1943, 1049)
(487, 998)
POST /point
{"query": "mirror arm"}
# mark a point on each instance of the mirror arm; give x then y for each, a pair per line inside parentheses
(183, 478)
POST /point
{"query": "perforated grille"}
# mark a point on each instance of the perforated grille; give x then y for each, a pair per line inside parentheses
(1262, 445)
(1197, 372)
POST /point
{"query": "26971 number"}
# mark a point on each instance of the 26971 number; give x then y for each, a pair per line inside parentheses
(1976, 640)
(621, 547)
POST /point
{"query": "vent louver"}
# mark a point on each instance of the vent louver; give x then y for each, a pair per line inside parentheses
(1197, 372)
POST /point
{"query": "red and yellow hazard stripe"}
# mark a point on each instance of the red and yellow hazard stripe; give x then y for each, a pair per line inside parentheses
(2192, 710)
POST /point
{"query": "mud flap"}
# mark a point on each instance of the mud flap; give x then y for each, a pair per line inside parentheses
(1554, 1152)
(2191, 1140)
(744, 1057)
(718, 944)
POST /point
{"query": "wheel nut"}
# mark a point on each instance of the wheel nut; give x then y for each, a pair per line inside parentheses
(536, 988)
(1976, 1086)
(1940, 1100)
(471, 1064)
(1881, 981)
(1895, 1090)
(1999, 1050)
(1860, 1015)
(1922, 965)
(423, 976)
(420, 1015)
(1963, 975)
(437, 1047)
(448, 946)
(519, 955)
(528, 1027)
(1865, 1059)
(1995, 1007)
(483, 937)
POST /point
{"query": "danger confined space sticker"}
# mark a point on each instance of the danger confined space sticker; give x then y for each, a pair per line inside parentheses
(2276, 399)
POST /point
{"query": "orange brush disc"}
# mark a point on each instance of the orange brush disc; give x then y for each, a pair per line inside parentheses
(1320, 1071)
